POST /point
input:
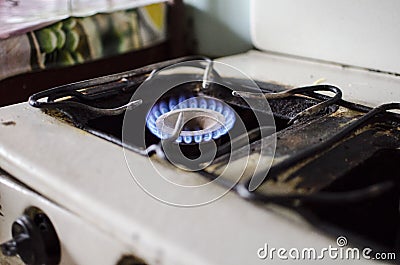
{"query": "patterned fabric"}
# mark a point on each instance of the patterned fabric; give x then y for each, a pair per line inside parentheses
(79, 40)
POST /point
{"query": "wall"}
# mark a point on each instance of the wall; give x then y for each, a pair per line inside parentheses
(221, 27)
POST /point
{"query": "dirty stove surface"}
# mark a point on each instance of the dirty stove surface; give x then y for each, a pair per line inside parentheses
(332, 163)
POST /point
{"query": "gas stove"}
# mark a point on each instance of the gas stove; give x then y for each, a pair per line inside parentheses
(282, 154)
(144, 157)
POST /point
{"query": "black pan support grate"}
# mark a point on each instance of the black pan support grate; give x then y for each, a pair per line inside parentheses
(99, 104)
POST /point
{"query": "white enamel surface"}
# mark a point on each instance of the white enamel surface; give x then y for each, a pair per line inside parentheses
(361, 33)
(88, 177)
(358, 85)
(81, 242)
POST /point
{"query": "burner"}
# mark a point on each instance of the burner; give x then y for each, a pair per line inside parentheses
(203, 119)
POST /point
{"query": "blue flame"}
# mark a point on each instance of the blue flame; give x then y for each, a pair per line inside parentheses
(191, 102)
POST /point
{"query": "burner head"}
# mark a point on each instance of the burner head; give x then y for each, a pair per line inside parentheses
(203, 119)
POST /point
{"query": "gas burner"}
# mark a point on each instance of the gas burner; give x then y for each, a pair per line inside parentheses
(201, 119)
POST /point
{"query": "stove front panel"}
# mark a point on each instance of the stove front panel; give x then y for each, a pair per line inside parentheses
(82, 242)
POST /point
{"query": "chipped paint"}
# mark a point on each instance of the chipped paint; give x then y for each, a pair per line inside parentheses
(9, 123)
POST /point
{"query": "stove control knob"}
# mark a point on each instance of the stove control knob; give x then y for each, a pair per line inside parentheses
(35, 240)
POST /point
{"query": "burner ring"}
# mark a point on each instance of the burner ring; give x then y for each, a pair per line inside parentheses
(204, 119)
(197, 121)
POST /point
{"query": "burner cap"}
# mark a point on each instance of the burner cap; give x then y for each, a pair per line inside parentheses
(204, 119)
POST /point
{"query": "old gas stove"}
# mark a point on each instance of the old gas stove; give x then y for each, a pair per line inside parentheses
(168, 161)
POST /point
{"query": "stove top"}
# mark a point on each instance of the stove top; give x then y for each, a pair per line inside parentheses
(186, 132)
(319, 151)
